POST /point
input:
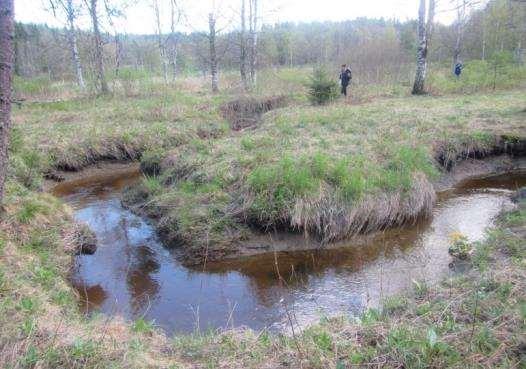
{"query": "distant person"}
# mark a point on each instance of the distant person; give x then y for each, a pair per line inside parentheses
(345, 78)
(458, 69)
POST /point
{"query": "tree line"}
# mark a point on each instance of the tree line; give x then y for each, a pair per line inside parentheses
(376, 47)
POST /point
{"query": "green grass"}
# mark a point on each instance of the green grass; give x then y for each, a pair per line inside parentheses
(303, 163)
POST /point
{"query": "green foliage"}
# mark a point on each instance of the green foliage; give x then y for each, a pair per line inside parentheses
(323, 341)
(277, 186)
(247, 143)
(460, 246)
(322, 88)
(420, 288)
(82, 349)
(152, 185)
(27, 167)
(27, 304)
(30, 358)
(142, 326)
(32, 86)
(29, 209)
(394, 304)
(28, 326)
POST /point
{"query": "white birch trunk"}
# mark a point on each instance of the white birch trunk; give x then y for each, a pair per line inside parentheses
(72, 40)
(101, 79)
(253, 40)
(160, 45)
(424, 36)
(243, 46)
(173, 41)
(213, 53)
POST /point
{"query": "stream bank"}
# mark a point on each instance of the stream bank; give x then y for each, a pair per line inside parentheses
(133, 275)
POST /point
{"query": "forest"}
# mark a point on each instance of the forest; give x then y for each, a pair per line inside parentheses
(227, 190)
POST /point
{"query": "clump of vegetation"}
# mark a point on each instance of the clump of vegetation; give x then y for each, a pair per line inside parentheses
(460, 246)
(84, 239)
(322, 87)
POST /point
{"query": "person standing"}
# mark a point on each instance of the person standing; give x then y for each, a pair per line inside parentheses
(458, 69)
(345, 78)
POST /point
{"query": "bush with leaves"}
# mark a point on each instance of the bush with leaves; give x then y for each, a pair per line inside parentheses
(322, 88)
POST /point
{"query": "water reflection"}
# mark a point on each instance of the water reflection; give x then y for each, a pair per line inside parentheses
(132, 274)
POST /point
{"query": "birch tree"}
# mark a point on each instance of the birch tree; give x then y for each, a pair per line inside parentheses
(101, 83)
(253, 25)
(243, 46)
(175, 18)
(462, 8)
(7, 58)
(111, 12)
(212, 34)
(70, 11)
(425, 29)
(160, 41)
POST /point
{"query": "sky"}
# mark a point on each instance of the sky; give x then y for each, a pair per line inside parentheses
(139, 18)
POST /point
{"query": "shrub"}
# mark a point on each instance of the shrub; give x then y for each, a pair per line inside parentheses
(322, 88)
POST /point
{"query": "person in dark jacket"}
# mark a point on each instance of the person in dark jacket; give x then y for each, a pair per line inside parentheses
(458, 69)
(345, 78)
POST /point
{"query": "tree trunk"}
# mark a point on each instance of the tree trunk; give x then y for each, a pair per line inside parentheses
(160, 45)
(99, 62)
(213, 53)
(424, 36)
(461, 14)
(243, 47)
(7, 34)
(72, 40)
(173, 41)
(253, 17)
(457, 48)
(483, 56)
(118, 54)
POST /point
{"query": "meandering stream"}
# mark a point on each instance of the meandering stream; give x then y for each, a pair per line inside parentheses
(133, 275)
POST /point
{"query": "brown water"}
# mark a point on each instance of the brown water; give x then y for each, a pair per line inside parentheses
(133, 275)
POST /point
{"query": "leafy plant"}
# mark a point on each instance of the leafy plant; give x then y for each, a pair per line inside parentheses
(460, 247)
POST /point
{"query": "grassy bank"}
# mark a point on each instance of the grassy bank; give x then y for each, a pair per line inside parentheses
(476, 319)
(332, 172)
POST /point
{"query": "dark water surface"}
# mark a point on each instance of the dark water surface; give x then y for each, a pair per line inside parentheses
(133, 275)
